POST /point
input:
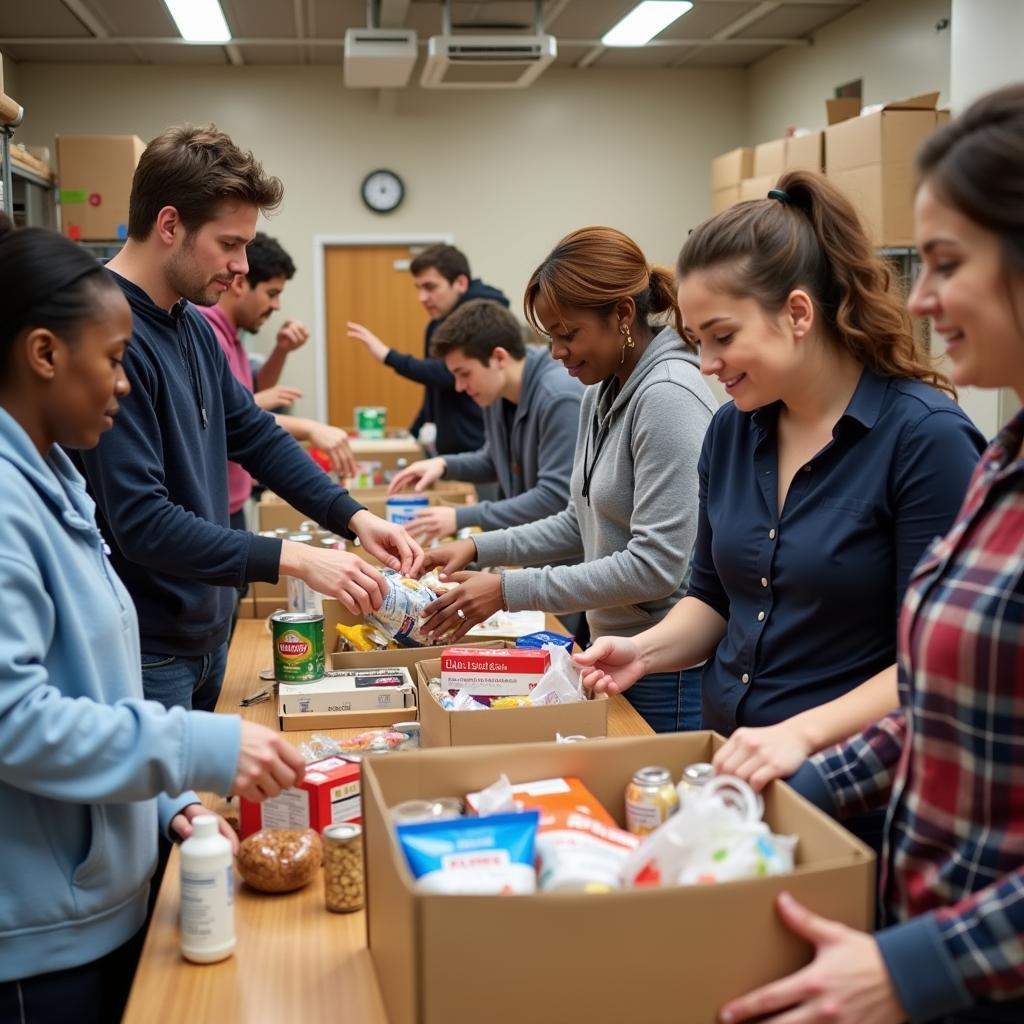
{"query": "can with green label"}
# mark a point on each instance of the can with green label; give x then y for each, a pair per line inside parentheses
(371, 421)
(298, 646)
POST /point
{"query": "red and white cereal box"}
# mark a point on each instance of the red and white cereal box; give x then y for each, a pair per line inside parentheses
(496, 672)
(328, 794)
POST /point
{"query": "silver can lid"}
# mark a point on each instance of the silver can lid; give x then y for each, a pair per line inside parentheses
(342, 832)
(699, 774)
(652, 775)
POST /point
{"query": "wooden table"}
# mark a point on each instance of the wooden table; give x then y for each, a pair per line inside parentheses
(295, 963)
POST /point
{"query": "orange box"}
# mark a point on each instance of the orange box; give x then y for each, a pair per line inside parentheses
(555, 796)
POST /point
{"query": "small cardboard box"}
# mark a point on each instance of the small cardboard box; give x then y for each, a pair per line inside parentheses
(806, 152)
(95, 173)
(337, 694)
(441, 728)
(723, 198)
(514, 671)
(731, 168)
(680, 953)
(388, 451)
(769, 158)
(757, 188)
(328, 794)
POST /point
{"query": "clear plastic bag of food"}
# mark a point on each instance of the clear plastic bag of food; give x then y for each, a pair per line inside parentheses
(560, 684)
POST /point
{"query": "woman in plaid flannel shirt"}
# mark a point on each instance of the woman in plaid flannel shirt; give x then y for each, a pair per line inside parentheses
(948, 762)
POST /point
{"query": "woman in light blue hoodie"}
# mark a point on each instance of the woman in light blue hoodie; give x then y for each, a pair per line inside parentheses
(89, 770)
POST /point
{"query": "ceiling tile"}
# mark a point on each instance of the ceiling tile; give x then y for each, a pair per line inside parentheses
(795, 20)
(705, 20)
(256, 18)
(38, 18)
(728, 56)
(275, 54)
(133, 17)
(57, 54)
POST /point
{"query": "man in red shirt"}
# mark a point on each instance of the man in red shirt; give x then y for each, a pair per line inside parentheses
(247, 305)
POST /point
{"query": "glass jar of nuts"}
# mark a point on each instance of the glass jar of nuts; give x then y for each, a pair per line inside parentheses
(343, 867)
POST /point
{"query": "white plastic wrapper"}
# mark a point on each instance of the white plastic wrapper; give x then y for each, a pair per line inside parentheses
(561, 683)
(716, 836)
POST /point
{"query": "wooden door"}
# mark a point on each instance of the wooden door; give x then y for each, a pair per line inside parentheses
(371, 285)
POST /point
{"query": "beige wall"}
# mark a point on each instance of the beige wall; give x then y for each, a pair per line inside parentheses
(892, 45)
(10, 78)
(506, 174)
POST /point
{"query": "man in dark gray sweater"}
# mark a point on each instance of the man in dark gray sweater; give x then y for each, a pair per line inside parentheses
(531, 416)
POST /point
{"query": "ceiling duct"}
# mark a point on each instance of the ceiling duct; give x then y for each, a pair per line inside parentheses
(379, 58)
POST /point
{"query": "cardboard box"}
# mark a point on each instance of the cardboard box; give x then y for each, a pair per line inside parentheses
(346, 720)
(723, 198)
(95, 173)
(769, 158)
(327, 795)
(408, 657)
(757, 188)
(441, 728)
(871, 158)
(731, 168)
(806, 152)
(680, 953)
(337, 694)
(388, 451)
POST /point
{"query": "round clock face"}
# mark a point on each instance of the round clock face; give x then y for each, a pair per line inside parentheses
(382, 191)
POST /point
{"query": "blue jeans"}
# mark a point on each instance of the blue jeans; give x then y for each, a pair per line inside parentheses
(668, 701)
(192, 683)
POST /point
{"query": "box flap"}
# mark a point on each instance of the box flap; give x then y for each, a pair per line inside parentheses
(842, 109)
(926, 101)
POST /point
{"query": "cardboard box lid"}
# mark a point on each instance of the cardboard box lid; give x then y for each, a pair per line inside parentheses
(842, 109)
(926, 101)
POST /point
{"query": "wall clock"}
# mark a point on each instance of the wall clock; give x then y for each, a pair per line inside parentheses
(382, 191)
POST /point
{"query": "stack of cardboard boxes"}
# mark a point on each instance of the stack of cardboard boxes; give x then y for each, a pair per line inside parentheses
(727, 171)
(869, 155)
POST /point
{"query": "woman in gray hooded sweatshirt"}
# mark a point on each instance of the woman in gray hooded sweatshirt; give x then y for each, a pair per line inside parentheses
(632, 512)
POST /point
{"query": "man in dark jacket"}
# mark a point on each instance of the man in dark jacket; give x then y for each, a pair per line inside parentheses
(443, 282)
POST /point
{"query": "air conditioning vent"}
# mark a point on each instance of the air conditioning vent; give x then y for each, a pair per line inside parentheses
(486, 62)
(379, 58)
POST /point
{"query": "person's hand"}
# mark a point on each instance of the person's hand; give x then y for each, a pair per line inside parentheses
(451, 557)
(349, 578)
(334, 442)
(759, 755)
(277, 396)
(387, 542)
(181, 825)
(612, 664)
(430, 523)
(476, 599)
(267, 764)
(373, 344)
(845, 983)
(292, 335)
(421, 474)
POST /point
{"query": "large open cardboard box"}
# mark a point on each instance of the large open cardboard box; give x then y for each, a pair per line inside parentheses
(659, 956)
(441, 728)
(95, 174)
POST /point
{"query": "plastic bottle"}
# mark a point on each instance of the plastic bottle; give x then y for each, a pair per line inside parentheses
(207, 893)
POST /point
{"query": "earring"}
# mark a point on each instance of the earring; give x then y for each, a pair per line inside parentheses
(628, 343)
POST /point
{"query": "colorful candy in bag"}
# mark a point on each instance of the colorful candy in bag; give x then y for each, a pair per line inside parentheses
(473, 856)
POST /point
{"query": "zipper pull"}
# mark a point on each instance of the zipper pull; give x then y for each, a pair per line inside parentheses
(202, 416)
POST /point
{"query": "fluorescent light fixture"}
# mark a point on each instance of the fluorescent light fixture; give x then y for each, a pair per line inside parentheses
(644, 22)
(199, 21)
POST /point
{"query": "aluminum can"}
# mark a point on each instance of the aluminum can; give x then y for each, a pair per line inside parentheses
(298, 646)
(651, 799)
(371, 421)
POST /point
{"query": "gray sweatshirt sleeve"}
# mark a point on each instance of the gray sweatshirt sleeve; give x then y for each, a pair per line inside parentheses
(550, 540)
(476, 467)
(556, 444)
(667, 435)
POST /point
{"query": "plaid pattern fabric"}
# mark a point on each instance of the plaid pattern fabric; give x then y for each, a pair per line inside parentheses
(951, 760)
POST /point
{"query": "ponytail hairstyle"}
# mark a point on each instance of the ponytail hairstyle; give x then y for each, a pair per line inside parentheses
(595, 268)
(975, 164)
(811, 238)
(46, 280)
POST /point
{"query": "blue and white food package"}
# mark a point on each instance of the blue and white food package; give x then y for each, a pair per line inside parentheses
(473, 856)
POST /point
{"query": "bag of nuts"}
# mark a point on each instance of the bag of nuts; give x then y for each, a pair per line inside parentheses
(343, 867)
(279, 859)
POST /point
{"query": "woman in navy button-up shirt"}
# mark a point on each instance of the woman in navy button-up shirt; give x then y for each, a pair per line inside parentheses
(821, 484)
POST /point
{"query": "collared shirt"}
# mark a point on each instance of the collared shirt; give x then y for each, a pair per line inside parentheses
(949, 762)
(239, 481)
(811, 595)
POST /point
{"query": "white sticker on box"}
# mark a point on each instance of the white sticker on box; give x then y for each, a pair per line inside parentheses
(288, 810)
(543, 787)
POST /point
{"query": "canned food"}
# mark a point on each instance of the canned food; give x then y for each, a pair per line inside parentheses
(696, 776)
(371, 421)
(411, 812)
(402, 510)
(298, 646)
(651, 799)
(343, 868)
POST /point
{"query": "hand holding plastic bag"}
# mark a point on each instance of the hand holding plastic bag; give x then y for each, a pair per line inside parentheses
(716, 836)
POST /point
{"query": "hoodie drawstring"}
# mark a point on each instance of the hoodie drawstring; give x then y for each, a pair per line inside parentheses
(194, 376)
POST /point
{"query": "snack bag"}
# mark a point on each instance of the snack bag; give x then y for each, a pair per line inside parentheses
(401, 611)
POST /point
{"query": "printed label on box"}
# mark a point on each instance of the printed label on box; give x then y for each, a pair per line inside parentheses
(289, 809)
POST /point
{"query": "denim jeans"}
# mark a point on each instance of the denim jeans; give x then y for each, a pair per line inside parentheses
(192, 683)
(95, 993)
(668, 701)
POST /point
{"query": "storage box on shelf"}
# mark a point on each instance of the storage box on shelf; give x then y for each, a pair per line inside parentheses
(95, 174)
(727, 171)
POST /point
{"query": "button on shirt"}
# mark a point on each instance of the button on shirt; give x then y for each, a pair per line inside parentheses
(811, 596)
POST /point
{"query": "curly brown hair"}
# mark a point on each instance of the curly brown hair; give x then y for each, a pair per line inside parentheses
(766, 248)
(195, 169)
